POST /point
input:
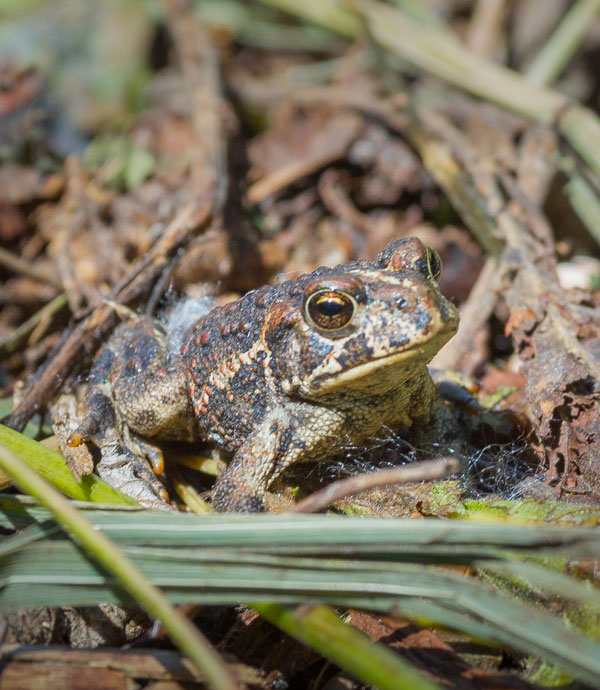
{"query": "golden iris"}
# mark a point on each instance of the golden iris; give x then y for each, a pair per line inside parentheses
(330, 310)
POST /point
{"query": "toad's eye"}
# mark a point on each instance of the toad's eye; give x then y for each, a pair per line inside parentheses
(330, 310)
(434, 263)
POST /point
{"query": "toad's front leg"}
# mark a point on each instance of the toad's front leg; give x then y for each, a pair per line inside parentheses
(282, 439)
(241, 488)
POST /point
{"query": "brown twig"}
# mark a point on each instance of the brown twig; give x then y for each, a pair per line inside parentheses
(337, 200)
(449, 158)
(42, 316)
(334, 140)
(199, 62)
(112, 667)
(149, 268)
(18, 265)
(485, 28)
(427, 470)
(162, 285)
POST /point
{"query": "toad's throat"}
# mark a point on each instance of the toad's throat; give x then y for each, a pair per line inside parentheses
(382, 372)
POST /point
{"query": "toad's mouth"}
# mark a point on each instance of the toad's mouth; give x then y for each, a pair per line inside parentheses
(381, 373)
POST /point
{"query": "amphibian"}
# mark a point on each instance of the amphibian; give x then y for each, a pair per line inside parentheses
(286, 373)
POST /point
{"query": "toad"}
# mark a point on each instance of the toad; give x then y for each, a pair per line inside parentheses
(285, 374)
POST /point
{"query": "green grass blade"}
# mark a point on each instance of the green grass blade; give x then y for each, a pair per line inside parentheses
(352, 650)
(585, 202)
(564, 42)
(53, 467)
(420, 540)
(546, 581)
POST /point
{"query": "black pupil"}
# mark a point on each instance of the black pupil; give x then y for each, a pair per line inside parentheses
(330, 310)
(330, 306)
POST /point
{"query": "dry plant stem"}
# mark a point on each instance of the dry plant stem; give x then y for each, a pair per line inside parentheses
(162, 284)
(291, 172)
(485, 27)
(109, 668)
(18, 265)
(473, 316)
(42, 316)
(428, 470)
(564, 42)
(448, 173)
(585, 202)
(537, 163)
(187, 637)
(386, 110)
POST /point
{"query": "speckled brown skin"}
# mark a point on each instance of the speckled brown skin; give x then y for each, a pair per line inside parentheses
(260, 379)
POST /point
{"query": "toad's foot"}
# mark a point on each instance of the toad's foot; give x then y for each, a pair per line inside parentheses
(126, 462)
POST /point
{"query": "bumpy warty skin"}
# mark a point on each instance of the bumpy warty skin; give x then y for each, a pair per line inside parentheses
(269, 385)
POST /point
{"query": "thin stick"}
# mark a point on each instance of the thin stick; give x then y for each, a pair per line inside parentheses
(18, 265)
(292, 171)
(11, 343)
(418, 472)
(485, 26)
